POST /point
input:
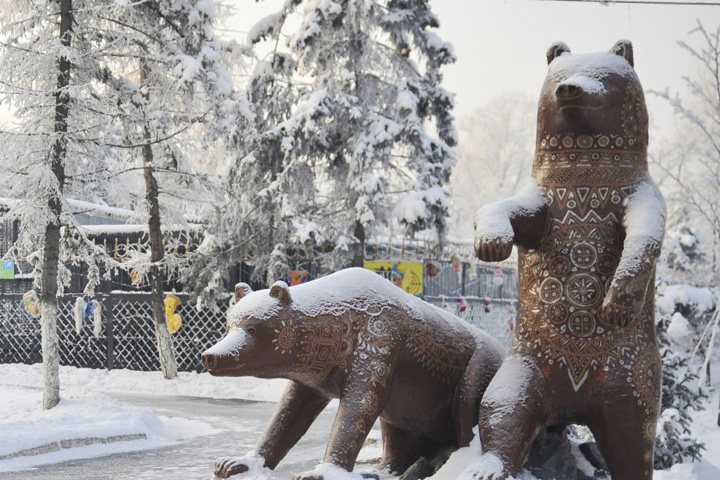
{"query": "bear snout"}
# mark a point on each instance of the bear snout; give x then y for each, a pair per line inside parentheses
(209, 360)
(567, 91)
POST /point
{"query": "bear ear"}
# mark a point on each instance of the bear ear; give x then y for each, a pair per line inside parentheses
(555, 50)
(281, 291)
(624, 49)
(241, 289)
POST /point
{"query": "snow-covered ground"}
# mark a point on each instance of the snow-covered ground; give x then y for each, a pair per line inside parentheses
(88, 423)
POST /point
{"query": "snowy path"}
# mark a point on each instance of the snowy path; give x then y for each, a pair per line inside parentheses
(189, 422)
(235, 425)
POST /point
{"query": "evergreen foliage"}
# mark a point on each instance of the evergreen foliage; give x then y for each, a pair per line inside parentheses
(339, 144)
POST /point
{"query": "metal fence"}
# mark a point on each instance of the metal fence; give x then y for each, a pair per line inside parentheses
(127, 339)
(483, 295)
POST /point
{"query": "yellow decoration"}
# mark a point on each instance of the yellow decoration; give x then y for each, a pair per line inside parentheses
(406, 275)
(174, 320)
(32, 305)
(136, 277)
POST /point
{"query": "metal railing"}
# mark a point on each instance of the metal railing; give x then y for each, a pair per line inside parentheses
(481, 294)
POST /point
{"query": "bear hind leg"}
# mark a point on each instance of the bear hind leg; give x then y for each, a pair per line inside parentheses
(401, 448)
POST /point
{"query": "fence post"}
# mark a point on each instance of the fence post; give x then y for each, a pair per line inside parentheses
(108, 307)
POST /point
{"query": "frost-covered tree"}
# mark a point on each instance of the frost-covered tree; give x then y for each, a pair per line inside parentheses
(351, 132)
(375, 72)
(692, 162)
(166, 88)
(495, 155)
(47, 77)
(127, 88)
(683, 311)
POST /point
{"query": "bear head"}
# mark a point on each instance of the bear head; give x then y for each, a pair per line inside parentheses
(261, 337)
(592, 101)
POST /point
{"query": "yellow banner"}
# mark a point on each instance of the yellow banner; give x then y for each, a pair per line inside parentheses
(406, 275)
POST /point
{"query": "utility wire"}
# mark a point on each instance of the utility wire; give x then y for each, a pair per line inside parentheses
(641, 2)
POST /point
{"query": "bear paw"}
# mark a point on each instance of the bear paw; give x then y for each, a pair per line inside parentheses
(620, 308)
(617, 314)
(495, 250)
(228, 466)
(328, 470)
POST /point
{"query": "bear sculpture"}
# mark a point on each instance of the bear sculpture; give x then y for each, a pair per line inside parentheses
(588, 231)
(383, 352)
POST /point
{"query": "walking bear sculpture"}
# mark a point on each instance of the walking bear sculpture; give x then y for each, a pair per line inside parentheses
(384, 353)
(588, 231)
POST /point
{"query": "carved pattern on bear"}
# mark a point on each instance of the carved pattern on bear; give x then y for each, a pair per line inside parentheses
(566, 281)
(443, 363)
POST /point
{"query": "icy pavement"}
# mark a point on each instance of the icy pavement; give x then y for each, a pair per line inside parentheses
(135, 425)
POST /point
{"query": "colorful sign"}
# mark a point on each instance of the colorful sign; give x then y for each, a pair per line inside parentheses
(406, 275)
(7, 272)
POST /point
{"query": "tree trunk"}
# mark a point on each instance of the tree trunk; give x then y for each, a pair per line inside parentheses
(166, 354)
(51, 250)
(359, 257)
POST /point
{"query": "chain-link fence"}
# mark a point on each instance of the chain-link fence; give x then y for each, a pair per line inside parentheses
(127, 338)
(483, 295)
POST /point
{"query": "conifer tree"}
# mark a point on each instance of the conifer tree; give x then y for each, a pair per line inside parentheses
(351, 133)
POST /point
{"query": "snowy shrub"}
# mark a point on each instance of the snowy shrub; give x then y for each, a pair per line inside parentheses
(681, 397)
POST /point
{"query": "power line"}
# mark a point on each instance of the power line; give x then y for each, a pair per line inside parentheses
(641, 2)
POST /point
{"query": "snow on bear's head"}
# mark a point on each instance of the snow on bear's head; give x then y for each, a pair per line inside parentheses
(592, 100)
(257, 326)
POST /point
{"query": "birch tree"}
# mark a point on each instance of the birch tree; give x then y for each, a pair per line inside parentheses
(166, 88)
(45, 78)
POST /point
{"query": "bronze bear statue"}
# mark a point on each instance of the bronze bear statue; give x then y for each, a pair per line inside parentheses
(384, 353)
(588, 231)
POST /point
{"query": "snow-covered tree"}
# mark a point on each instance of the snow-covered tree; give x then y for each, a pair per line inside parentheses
(48, 79)
(375, 71)
(167, 89)
(692, 161)
(126, 88)
(683, 313)
(352, 132)
(495, 155)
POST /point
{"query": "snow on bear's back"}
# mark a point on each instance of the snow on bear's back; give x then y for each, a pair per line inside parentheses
(356, 289)
(352, 289)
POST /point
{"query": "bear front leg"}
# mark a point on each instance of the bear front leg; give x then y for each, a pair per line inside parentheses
(363, 399)
(297, 410)
(520, 219)
(644, 227)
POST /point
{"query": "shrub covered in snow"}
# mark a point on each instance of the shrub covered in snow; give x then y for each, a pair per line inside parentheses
(683, 312)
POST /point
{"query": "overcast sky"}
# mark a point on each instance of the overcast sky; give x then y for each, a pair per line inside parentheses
(501, 44)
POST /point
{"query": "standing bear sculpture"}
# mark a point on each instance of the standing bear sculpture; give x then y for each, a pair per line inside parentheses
(384, 353)
(588, 231)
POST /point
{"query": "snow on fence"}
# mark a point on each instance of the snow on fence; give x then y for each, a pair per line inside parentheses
(483, 295)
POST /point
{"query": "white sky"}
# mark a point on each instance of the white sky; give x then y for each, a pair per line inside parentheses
(501, 44)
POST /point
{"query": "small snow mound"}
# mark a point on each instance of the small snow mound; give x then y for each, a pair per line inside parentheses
(701, 298)
(328, 471)
(679, 331)
(487, 466)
